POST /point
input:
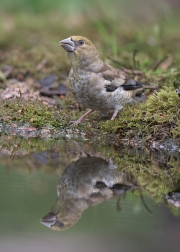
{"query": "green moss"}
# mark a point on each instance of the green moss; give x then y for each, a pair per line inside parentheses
(161, 110)
(32, 111)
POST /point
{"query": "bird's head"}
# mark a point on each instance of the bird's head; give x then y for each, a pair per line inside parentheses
(60, 221)
(81, 50)
(63, 215)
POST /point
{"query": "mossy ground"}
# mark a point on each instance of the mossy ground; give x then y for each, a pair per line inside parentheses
(158, 117)
(30, 111)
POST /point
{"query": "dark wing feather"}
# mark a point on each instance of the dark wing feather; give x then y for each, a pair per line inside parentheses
(118, 78)
(131, 84)
(128, 85)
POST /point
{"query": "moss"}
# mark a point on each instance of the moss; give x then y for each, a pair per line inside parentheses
(32, 111)
(161, 110)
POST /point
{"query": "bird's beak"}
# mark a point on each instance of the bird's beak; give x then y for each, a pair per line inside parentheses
(49, 220)
(67, 44)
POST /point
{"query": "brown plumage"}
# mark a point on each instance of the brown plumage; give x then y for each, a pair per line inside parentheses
(96, 85)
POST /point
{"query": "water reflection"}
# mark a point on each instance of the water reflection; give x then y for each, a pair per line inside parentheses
(30, 170)
(85, 182)
(90, 179)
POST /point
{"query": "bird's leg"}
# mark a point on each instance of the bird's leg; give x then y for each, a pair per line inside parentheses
(114, 114)
(82, 117)
(81, 149)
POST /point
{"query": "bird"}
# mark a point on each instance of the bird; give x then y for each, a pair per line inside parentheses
(88, 181)
(96, 85)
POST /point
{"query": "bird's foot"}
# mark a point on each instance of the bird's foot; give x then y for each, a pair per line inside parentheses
(81, 119)
(85, 154)
(114, 114)
(73, 123)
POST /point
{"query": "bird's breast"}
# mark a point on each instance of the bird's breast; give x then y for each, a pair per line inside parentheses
(89, 90)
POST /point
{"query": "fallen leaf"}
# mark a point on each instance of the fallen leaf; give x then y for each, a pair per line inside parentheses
(60, 90)
(48, 81)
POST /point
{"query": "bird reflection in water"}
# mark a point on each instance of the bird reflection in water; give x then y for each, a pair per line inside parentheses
(85, 182)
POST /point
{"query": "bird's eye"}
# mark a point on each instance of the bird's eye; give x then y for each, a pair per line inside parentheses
(59, 224)
(81, 42)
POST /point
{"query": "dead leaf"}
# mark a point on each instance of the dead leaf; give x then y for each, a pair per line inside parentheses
(47, 100)
(48, 81)
(60, 90)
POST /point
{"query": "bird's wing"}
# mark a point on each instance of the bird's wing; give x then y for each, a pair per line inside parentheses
(118, 78)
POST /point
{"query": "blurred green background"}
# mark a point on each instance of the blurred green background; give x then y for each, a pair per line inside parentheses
(122, 8)
(108, 23)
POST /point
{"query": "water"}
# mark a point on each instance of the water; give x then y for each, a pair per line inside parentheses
(102, 205)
